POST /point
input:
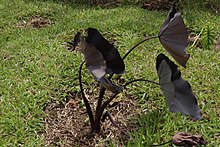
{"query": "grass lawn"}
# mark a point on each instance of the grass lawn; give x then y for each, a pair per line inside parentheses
(36, 67)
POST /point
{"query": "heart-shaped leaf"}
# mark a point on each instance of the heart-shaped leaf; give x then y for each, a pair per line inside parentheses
(174, 36)
(111, 55)
(178, 92)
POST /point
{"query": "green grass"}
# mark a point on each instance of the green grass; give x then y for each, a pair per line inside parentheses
(36, 68)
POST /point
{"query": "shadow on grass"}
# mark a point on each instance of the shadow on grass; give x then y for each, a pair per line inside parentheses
(207, 6)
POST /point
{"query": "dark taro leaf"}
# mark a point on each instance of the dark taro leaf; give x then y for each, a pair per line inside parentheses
(111, 55)
(174, 36)
(94, 59)
(109, 85)
(178, 92)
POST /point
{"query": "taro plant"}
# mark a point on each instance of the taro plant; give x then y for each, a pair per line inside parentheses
(103, 61)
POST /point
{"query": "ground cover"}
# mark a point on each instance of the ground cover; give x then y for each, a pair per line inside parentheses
(39, 75)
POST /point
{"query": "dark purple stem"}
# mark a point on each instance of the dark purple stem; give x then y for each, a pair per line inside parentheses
(88, 108)
(100, 107)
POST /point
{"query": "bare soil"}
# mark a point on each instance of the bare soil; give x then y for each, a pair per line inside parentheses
(67, 124)
(35, 22)
(158, 4)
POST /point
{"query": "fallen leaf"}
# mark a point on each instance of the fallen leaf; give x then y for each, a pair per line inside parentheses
(188, 140)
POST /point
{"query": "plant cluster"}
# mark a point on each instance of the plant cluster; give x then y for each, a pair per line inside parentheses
(103, 61)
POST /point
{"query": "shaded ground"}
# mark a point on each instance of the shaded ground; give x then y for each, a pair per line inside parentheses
(67, 124)
(158, 4)
(155, 4)
(150, 4)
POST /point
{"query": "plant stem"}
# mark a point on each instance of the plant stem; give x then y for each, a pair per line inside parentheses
(105, 104)
(98, 112)
(100, 107)
(102, 90)
(101, 94)
(147, 38)
(88, 108)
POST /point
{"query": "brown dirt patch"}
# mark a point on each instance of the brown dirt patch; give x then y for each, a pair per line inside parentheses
(105, 2)
(214, 6)
(67, 124)
(158, 5)
(196, 41)
(217, 45)
(35, 22)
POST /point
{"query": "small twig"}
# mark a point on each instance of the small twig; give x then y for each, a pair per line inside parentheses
(136, 80)
(88, 108)
(195, 42)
